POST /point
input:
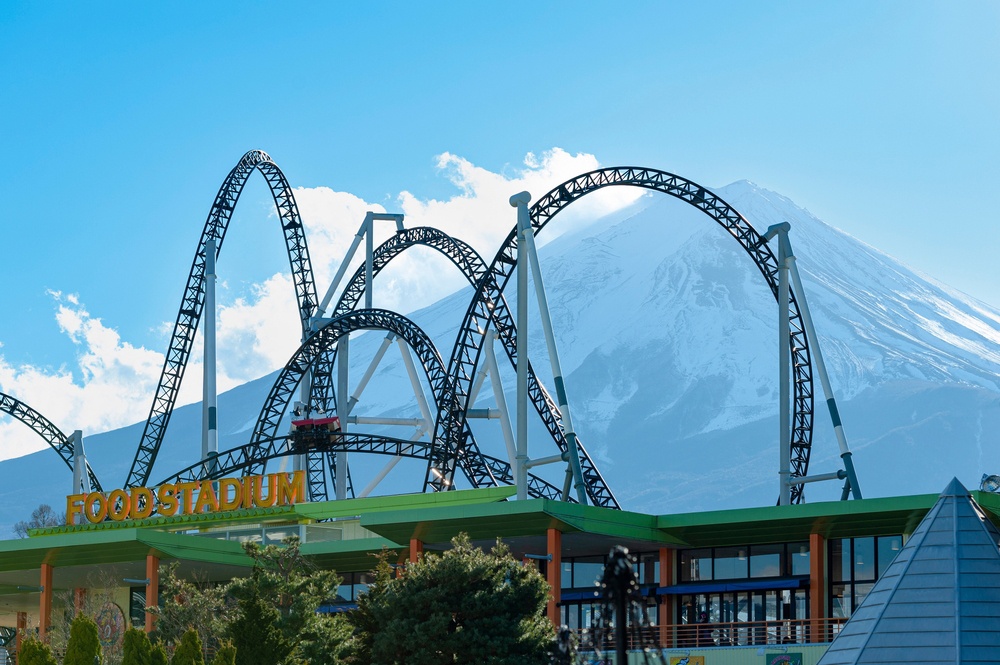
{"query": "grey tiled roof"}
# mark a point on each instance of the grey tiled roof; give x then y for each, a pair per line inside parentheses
(939, 600)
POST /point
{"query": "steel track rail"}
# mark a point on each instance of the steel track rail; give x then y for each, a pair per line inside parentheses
(192, 301)
(250, 455)
(450, 426)
(473, 268)
(44, 428)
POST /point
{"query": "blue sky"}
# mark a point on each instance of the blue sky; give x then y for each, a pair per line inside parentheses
(120, 120)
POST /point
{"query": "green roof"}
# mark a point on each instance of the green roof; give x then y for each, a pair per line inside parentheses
(831, 519)
(115, 546)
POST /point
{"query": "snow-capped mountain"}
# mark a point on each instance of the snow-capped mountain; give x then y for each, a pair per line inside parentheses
(668, 340)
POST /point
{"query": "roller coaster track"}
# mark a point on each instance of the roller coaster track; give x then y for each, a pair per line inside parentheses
(193, 300)
(251, 455)
(481, 470)
(450, 428)
(472, 266)
(44, 428)
(476, 469)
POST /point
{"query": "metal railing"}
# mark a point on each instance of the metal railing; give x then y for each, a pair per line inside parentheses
(731, 633)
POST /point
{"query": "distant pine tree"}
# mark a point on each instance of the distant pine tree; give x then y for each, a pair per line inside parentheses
(158, 654)
(226, 655)
(188, 652)
(84, 646)
(136, 648)
(35, 652)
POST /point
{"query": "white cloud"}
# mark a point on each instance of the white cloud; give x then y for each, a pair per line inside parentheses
(111, 386)
(114, 381)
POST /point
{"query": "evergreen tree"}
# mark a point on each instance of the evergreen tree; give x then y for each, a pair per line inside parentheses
(158, 654)
(188, 652)
(136, 648)
(35, 652)
(84, 646)
(256, 635)
(464, 606)
(277, 604)
(226, 655)
(189, 604)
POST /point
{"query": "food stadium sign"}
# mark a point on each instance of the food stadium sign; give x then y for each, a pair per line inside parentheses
(188, 498)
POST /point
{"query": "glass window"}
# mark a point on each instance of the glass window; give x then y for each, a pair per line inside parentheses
(566, 575)
(587, 570)
(840, 559)
(864, 559)
(765, 560)
(798, 555)
(730, 563)
(276, 534)
(841, 601)
(888, 548)
(696, 565)
(649, 568)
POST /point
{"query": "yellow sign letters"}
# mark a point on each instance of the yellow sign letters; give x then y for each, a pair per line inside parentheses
(190, 498)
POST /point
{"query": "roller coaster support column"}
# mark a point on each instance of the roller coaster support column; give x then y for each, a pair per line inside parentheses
(366, 229)
(209, 431)
(787, 258)
(81, 480)
(343, 410)
(526, 241)
(784, 380)
(520, 201)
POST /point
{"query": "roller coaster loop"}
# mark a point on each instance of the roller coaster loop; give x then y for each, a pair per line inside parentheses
(450, 428)
(193, 300)
(473, 268)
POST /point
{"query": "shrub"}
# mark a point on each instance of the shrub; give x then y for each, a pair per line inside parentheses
(84, 646)
(188, 652)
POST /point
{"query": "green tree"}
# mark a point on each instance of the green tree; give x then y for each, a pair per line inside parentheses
(158, 655)
(277, 619)
(188, 652)
(84, 646)
(463, 606)
(136, 648)
(226, 655)
(196, 605)
(256, 634)
(35, 652)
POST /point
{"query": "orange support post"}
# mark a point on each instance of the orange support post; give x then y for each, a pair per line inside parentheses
(666, 609)
(152, 589)
(45, 604)
(817, 587)
(553, 574)
(416, 549)
(22, 630)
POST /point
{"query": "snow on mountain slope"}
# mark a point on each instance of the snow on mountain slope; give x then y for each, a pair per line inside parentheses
(668, 339)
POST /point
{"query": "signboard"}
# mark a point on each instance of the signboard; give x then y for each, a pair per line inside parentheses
(687, 660)
(783, 659)
(190, 498)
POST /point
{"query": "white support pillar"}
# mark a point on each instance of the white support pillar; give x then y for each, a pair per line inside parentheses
(343, 410)
(369, 253)
(528, 238)
(784, 382)
(81, 479)
(853, 487)
(210, 431)
(500, 398)
(520, 201)
(418, 391)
